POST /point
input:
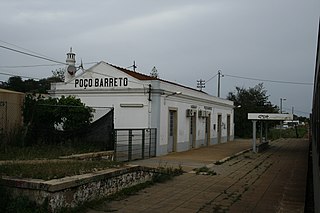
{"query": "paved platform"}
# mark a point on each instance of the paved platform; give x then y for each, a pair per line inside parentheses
(199, 157)
(271, 181)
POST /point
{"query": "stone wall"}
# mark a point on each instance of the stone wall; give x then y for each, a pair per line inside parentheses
(73, 191)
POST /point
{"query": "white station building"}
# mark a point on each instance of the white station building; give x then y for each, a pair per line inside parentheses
(185, 118)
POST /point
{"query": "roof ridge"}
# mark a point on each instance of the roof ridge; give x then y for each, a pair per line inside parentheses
(143, 77)
(135, 74)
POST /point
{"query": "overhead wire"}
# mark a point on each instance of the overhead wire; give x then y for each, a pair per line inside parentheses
(264, 80)
(25, 49)
(211, 78)
(22, 76)
(37, 65)
(29, 66)
(295, 110)
(32, 55)
(267, 80)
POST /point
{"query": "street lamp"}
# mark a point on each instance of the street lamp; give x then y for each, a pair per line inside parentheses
(171, 94)
(174, 93)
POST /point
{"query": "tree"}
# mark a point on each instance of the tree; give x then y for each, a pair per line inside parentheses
(59, 74)
(32, 86)
(43, 116)
(16, 83)
(249, 101)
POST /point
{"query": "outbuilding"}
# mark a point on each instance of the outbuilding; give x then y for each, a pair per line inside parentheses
(182, 117)
(11, 103)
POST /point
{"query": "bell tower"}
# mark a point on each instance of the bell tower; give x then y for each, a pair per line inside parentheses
(71, 68)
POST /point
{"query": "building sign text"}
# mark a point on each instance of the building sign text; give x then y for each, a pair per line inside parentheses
(100, 82)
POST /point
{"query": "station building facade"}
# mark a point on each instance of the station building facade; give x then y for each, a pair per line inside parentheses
(185, 118)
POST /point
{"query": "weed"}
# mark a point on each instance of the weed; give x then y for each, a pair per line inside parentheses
(247, 156)
(204, 171)
(166, 173)
(218, 162)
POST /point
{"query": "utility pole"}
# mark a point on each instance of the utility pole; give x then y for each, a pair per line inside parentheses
(219, 78)
(134, 66)
(201, 84)
(281, 99)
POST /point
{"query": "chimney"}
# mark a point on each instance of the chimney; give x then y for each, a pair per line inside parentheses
(71, 68)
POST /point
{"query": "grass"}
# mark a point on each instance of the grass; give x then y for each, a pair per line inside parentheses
(43, 151)
(204, 171)
(288, 133)
(48, 170)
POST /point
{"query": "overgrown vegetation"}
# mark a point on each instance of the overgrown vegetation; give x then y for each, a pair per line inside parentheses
(298, 132)
(44, 116)
(204, 171)
(249, 100)
(47, 170)
(21, 204)
(44, 151)
(253, 100)
(165, 173)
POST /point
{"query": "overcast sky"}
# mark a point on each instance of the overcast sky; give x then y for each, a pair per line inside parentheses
(185, 40)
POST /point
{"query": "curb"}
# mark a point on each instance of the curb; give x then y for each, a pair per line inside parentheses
(219, 162)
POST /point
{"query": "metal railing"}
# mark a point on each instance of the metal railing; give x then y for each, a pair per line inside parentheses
(134, 144)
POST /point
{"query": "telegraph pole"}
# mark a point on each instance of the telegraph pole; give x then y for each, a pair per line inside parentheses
(219, 78)
(201, 84)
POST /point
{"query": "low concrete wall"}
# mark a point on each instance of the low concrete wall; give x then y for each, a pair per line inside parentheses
(73, 191)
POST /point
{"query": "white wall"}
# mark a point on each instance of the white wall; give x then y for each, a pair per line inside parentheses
(187, 99)
(132, 109)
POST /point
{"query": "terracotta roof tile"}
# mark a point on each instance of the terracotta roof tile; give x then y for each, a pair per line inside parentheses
(134, 74)
(144, 77)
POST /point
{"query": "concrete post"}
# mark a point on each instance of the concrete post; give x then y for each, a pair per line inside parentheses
(266, 131)
(261, 123)
(254, 149)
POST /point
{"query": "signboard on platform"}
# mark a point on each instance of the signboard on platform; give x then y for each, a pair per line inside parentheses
(270, 116)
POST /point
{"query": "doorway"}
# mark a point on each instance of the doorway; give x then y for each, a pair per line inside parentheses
(172, 136)
(192, 135)
(228, 127)
(219, 123)
(207, 130)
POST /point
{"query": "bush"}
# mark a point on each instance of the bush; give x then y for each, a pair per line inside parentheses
(21, 204)
(288, 133)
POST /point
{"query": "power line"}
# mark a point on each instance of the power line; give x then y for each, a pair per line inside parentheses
(211, 78)
(295, 110)
(9, 74)
(267, 80)
(38, 65)
(24, 48)
(30, 66)
(32, 55)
